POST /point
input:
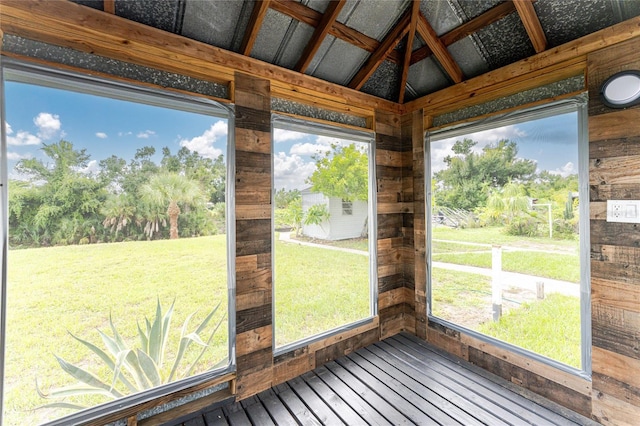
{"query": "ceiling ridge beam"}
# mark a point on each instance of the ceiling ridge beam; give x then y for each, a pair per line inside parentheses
(258, 13)
(390, 41)
(487, 18)
(324, 26)
(439, 50)
(339, 30)
(532, 24)
(415, 13)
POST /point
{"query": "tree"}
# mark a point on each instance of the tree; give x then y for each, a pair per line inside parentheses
(211, 173)
(63, 200)
(469, 175)
(171, 189)
(342, 172)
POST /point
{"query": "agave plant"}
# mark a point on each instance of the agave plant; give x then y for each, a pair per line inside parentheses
(133, 369)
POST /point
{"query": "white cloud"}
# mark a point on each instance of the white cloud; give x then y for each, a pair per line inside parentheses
(308, 149)
(102, 135)
(125, 134)
(23, 138)
(281, 135)
(8, 128)
(204, 144)
(566, 170)
(146, 134)
(442, 148)
(48, 125)
(291, 171)
(91, 168)
(14, 156)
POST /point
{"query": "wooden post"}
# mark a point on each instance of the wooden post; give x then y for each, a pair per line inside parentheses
(540, 290)
(496, 284)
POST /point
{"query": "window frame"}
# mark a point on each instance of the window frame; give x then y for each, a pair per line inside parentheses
(26, 72)
(287, 122)
(576, 104)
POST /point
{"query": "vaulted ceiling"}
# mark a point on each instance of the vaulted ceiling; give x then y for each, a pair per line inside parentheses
(398, 50)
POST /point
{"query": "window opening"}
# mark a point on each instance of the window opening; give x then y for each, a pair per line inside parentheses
(117, 265)
(324, 270)
(508, 211)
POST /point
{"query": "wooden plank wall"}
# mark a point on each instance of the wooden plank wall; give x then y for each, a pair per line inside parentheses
(395, 224)
(254, 322)
(419, 223)
(614, 173)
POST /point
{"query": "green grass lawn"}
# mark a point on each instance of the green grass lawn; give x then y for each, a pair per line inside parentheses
(550, 327)
(60, 290)
(54, 291)
(495, 235)
(317, 290)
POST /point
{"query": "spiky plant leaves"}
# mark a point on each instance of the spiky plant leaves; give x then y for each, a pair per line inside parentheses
(85, 376)
(108, 361)
(150, 368)
(142, 365)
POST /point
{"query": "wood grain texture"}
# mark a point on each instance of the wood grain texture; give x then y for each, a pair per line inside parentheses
(531, 24)
(548, 388)
(614, 125)
(390, 41)
(602, 64)
(85, 29)
(439, 50)
(324, 26)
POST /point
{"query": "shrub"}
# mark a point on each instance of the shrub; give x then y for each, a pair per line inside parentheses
(132, 370)
(524, 226)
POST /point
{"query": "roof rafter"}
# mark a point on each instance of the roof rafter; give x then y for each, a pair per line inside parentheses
(415, 13)
(532, 24)
(110, 6)
(484, 20)
(325, 24)
(439, 50)
(390, 41)
(260, 9)
(312, 17)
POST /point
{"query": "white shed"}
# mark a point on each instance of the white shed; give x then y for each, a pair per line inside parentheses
(347, 219)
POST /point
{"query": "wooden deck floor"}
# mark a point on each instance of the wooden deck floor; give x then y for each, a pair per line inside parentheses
(401, 380)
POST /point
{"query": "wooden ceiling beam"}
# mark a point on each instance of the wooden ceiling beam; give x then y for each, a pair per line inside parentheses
(325, 24)
(532, 24)
(388, 44)
(258, 13)
(311, 17)
(439, 50)
(415, 13)
(110, 6)
(476, 24)
(67, 24)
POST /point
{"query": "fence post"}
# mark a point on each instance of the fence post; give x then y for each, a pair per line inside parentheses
(496, 281)
(540, 290)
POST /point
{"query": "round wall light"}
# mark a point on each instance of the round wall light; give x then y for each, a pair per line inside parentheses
(621, 90)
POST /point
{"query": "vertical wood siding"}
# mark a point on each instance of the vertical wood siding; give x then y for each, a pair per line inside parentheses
(614, 173)
(394, 165)
(254, 322)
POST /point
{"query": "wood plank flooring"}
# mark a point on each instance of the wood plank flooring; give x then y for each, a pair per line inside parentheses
(400, 381)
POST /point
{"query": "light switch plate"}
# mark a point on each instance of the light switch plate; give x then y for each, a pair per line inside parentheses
(627, 211)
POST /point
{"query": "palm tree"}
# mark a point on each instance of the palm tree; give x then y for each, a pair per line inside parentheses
(509, 203)
(118, 212)
(171, 189)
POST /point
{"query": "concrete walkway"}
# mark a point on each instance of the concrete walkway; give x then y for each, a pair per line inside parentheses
(516, 280)
(286, 237)
(509, 279)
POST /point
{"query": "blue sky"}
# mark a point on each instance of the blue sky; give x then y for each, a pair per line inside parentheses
(552, 142)
(104, 126)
